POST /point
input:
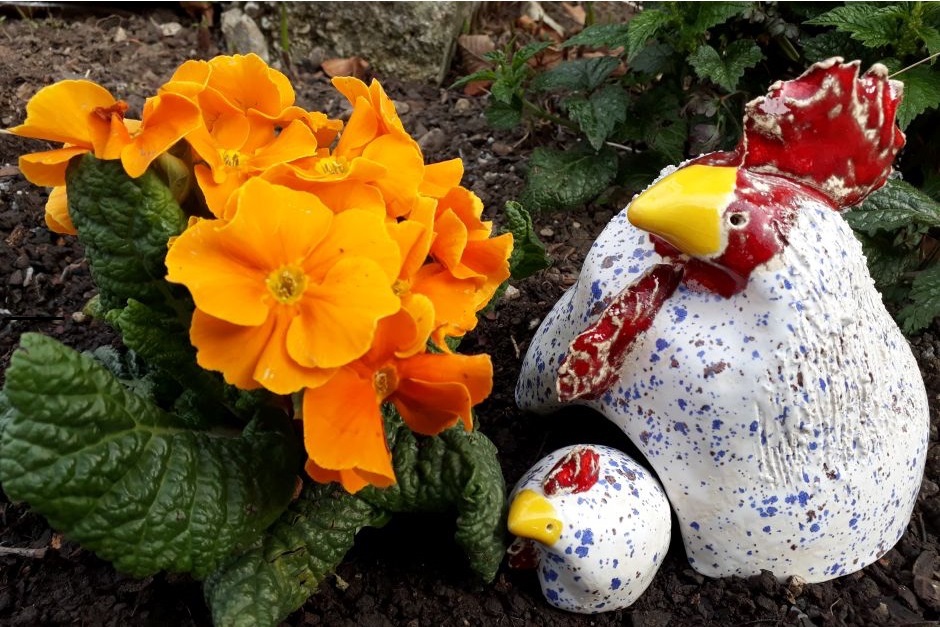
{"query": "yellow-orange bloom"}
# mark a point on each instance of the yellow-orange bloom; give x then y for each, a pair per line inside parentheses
(343, 428)
(88, 119)
(285, 292)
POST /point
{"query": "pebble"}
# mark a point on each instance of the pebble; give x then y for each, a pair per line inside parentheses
(432, 141)
(502, 149)
(511, 293)
(547, 232)
(462, 105)
(171, 29)
(120, 35)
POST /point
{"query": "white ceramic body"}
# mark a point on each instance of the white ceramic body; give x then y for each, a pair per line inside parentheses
(614, 535)
(788, 424)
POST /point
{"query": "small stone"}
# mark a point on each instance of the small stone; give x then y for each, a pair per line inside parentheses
(502, 149)
(120, 35)
(576, 225)
(928, 488)
(171, 29)
(79, 317)
(15, 278)
(242, 34)
(547, 232)
(511, 293)
(402, 107)
(908, 597)
(881, 613)
(462, 105)
(432, 141)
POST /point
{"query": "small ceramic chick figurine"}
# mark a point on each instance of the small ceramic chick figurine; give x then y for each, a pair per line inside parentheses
(727, 322)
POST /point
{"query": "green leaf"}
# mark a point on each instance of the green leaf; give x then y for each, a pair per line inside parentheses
(453, 470)
(655, 59)
(873, 24)
(830, 44)
(274, 577)
(528, 252)
(644, 26)
(598, 114)
(481, 75)
(887, 263)
(128, 480)
(601, 36)
(503, 116)
(566, 179)
(124, 225)
(705, 15)
(895, 206)
(921, 92)
(726, 70)
(925, 301)
(577, 75)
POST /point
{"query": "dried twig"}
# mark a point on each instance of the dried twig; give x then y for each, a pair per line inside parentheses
(19, 552)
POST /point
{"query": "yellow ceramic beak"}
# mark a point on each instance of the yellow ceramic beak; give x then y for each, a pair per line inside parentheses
(685, 208)
(532, 516)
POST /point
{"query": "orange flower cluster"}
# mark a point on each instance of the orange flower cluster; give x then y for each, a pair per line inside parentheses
(334, 258)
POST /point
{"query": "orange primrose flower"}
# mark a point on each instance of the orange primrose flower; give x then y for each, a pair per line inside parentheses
(285, 292)
(343, 428)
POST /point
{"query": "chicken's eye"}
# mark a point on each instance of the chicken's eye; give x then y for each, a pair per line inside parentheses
(737, 220)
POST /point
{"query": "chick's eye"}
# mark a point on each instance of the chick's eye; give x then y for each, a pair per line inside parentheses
(737, 220)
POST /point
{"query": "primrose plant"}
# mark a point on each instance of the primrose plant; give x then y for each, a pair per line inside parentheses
(290, 292)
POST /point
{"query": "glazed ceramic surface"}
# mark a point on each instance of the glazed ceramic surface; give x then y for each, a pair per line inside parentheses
(788, 423)
(614, 535)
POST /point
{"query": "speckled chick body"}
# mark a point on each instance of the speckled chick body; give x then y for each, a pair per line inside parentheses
(614, 535)
(787, 423)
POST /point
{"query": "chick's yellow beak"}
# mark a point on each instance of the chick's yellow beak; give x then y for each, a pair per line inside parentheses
(685, 208)
(532, 516)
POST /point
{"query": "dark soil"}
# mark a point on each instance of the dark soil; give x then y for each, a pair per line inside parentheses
(410, 572)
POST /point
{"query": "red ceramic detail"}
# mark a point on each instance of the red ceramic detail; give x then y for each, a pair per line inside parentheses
(574, 473)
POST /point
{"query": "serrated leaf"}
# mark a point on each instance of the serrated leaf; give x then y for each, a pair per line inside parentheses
(931, 37)
(600, 36)
(455, 470)
(921, 92)
(654, 59)
(528, 252)
(887, 264)
(124, 225)
(895, 206)
(503, 92)
(598, 114)
(503, 116)
(480, 75)
(727, 69)
(128, 480)
(873, 24)
(644, 26)
(521, 56)
(925, 301)
(565, 179)
(830, 44)
(577, 75)
(274, 577)
(705, 15)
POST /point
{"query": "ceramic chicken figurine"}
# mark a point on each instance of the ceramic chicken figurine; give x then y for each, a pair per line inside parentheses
(596, 525)
(726, 321)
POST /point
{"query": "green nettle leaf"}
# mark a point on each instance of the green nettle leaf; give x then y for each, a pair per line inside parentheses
(925, 301)
(128, 480)
(577, 75)
(667, 136)
(894, 206)
(830, 44)
(921, 92)
(280, 571)
(709, 14)
(600, 36)
(565, 179)
(124, 225)
(528, 252)
(599, 114)
(873, 24)
(654, 59)
(644, 26)
(503, 92)
(503, 116)
(726, 71)
(887, 264)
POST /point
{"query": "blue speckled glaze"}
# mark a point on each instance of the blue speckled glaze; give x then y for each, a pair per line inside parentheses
(613, 537)
(788, 424)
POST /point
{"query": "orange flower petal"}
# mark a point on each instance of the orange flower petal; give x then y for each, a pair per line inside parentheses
(357, 234)
(228, 348)
(352, 480)
(166, 120)
(437, 390)
(454, 299)
(361, 128)
(276, 370)
(343, 427)
(65, 112)
(47, 169)
(338, 317)
(218, 194)
(57, 212)
(450, 240)
(294, 142)
(440, 178)
(402, 157)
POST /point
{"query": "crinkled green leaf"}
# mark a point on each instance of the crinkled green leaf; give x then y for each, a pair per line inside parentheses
(830, 44)
(565, 179)
(921, 92)
(528, 252)
(894, 206)
(503, 116)
(577, 75)
(874, 24)
(644, 26)
(887, 264)
(124, 225)
(925, 301)
(725, 70)
(280, 571)
(455, 470)
(655, 59)
(599, 113)
(601, 36)
(702, 16)
(128, 480)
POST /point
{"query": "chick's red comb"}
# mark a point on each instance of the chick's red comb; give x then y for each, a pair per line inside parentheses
(575, 472)
(829, 129)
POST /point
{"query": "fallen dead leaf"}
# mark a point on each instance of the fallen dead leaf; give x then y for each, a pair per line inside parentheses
(349, 66)
(575, 12)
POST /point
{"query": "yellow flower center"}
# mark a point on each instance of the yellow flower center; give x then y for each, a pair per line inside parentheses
(231, 158)
(332, 165)
(287, 284)
(385, 381)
